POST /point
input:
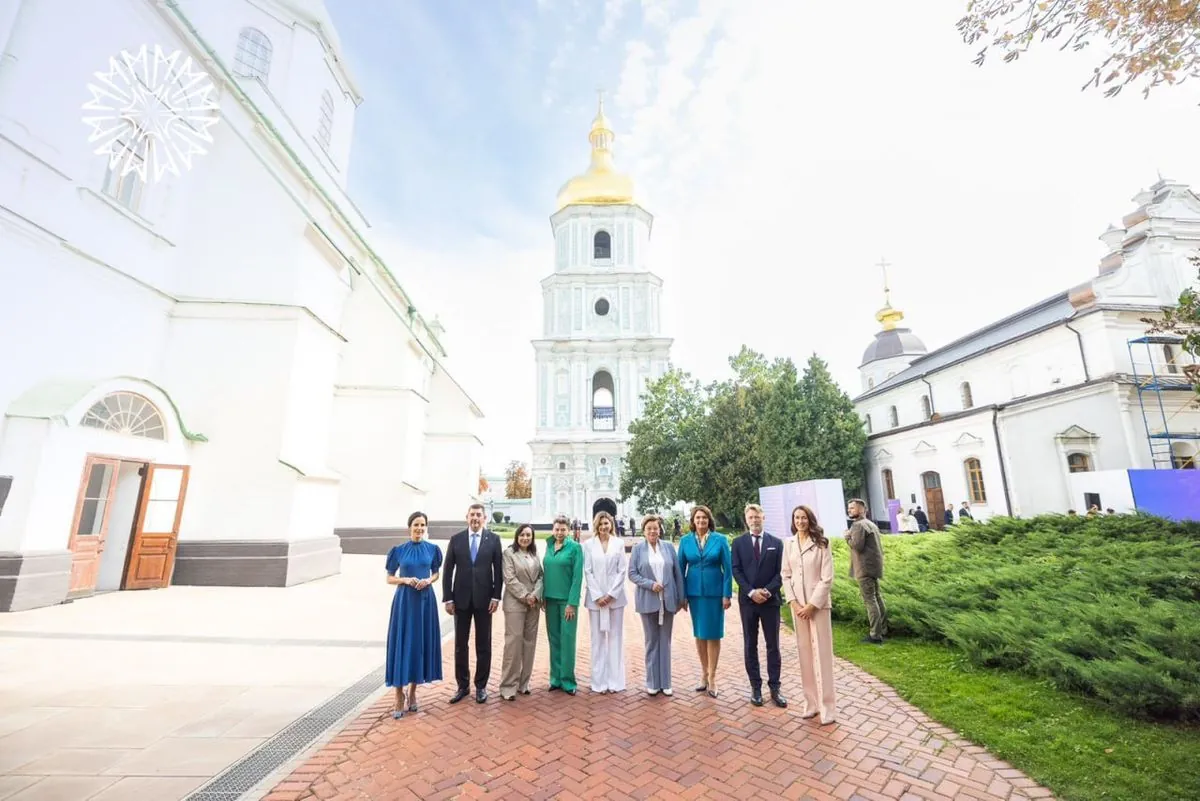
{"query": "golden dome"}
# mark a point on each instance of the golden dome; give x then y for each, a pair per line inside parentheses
(601, 185)
(889, 317)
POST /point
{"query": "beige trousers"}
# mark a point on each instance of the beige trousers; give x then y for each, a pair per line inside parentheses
(520, 644)
(814, 641)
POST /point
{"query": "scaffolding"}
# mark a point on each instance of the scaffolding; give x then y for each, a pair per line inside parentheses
(1159, 376)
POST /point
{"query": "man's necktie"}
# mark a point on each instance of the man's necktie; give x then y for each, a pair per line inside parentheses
(474, 547)
(757, 548)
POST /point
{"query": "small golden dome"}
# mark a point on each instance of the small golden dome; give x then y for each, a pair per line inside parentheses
(889, 317)
(601, 185)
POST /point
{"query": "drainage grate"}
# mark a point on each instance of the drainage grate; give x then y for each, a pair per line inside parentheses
(241, 777)
(244, 775)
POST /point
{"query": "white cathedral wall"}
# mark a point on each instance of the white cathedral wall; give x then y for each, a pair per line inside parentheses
(1038, 475)
(943, 448)
(453, 451)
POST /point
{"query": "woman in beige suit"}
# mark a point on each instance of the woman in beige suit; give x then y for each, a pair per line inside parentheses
(808, 576)
(522, 609)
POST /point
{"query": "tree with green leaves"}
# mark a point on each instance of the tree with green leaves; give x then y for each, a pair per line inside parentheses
(718, 444)
(1183, 320)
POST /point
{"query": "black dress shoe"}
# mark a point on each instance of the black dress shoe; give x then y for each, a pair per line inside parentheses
(458, 696)
(756, 697)
(480, 696)
(779, 700)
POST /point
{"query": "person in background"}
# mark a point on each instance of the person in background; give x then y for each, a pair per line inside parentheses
(522, 609)
(562, 583)
(866, 567)
(964, 512)
(654, 570)
(676, 528)
(707, 567)
(757, 560)
(808, 574)
(414, 641)
(908, 522)
(922, 519)
(604, 569)
(948, 515)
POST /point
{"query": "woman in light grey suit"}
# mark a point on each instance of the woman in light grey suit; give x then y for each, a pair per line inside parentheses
(522, 610)
(654, 569)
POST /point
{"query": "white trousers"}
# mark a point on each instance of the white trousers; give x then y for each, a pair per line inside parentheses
(608, 648)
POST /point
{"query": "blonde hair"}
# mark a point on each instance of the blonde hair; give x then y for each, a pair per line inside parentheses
(752, 507)
(602, 515)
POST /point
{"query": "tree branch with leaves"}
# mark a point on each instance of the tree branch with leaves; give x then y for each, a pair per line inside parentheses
(1155, 42)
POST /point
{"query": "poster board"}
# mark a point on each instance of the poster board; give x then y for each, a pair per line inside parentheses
(824, 496)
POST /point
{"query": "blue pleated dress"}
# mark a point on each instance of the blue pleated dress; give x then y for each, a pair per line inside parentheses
(414, 642)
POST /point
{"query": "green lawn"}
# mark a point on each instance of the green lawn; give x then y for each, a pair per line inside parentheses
(1071, 745)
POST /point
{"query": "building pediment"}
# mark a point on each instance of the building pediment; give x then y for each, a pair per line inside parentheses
(883, 455)
(924, 447)
(967, 440)
(1076, 433)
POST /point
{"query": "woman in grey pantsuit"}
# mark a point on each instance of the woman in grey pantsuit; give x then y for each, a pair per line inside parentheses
(654, 569)
(522, 610)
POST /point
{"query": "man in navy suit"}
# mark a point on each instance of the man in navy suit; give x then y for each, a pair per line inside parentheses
(472, 580)
(757, 562)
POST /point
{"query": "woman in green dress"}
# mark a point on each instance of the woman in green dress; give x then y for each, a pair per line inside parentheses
(562, 583)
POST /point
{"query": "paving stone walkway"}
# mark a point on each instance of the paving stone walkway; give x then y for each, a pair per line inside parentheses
(632, 746)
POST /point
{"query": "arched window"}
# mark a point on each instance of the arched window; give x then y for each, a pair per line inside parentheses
(325, 122)
(1183, 456)
(1079, 463)
(1169, 359)
(562, 465)
(975, 488)
(889, 487)
(253, 56)
(602, 245)
(964, 390)
(870, 383)
(893, 416)
(926, 408)
(126, 413)
(604, 413)
(867, 423)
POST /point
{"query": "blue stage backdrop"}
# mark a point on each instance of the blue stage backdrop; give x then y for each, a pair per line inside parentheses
(1173, 494)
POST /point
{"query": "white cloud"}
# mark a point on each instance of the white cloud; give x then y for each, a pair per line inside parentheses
(783, 148)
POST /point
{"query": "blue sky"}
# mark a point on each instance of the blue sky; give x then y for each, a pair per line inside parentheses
(783, 148)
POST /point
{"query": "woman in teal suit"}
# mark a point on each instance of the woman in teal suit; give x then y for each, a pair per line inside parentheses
(707, 566)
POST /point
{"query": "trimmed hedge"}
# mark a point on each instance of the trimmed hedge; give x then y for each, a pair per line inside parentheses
(1107, 607)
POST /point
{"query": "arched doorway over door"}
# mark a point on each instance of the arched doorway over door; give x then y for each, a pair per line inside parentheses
(604, 505)
(935, 504)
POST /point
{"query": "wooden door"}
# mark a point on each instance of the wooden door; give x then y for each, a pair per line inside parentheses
(90, 525)
(935, 505)
(156, 531)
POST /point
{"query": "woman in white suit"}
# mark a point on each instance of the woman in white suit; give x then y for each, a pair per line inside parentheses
(654, 569)
(604, 564)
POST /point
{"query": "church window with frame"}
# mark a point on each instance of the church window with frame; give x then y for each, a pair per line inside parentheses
(253, 56)
(602, 245)
(867, 423)
(975, 487)
(325, 121)
(126, 413)
(602, 307)
(1079, 463)
(126, 189)
(889, 485)
(926, 408)
(893, 416)
(964, 391)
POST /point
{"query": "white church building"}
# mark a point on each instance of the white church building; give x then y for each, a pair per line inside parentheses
(1044, 410)
(206, 378)
(601, 341)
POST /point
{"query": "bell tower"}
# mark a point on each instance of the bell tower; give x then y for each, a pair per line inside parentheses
(601, 342)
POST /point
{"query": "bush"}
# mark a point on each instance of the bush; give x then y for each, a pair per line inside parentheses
(1103, 606)
(497, 517)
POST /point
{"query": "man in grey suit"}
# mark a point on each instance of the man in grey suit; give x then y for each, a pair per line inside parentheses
(472, 582)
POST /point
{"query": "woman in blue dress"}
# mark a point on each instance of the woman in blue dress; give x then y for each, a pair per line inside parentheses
(414, 643)
(707, 566)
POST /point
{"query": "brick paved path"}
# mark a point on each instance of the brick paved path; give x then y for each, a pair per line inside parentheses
(629, 745)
